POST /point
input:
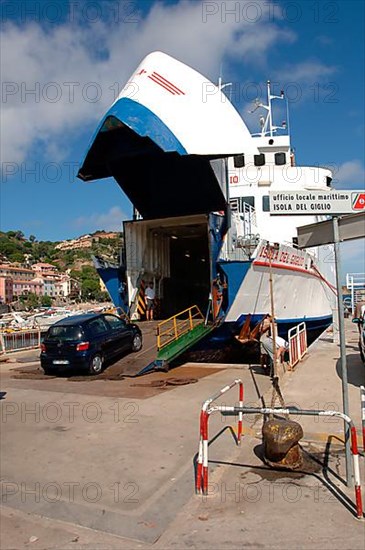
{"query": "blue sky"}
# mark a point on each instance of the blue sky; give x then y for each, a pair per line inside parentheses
(63, 62)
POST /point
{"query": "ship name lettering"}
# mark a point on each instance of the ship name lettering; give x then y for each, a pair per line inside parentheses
(319, 206)
(301, 207)
(283, 207)
(296, 260)
(267, 252)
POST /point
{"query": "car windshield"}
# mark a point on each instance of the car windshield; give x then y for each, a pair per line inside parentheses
(65, 333)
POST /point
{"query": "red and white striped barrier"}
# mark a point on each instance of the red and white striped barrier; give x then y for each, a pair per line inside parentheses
(202, 469)
(201, 481)
(355, 455)
(362, 398)
(297, 337)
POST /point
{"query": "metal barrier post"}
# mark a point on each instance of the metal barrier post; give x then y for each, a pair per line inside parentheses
(2, 343)
(199, 467)
(355, 458)
(297, 339)
(240, 414)
(302, 340)
(293, 346)
(305, 412)
(362, 398)
(201, 481)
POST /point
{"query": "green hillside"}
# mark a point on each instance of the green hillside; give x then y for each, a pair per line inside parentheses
(15, 247)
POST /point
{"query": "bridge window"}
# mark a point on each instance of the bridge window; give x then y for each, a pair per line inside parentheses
(266, 203)
(280, 159)
(239, 161)
(259, 160)
(249, 200)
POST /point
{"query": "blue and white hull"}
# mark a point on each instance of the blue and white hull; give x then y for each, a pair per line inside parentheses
(301, 293)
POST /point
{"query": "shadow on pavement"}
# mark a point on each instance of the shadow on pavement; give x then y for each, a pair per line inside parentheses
(355, 369)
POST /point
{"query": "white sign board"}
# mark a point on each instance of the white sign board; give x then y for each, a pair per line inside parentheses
(302, 202)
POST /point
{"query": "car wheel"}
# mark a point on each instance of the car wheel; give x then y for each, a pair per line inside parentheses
(136, 342)
(96, 364)
(47, 371)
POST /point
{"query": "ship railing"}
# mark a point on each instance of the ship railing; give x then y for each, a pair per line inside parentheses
(246, 215)
(176, 326)
(355, 282)
(242, 249)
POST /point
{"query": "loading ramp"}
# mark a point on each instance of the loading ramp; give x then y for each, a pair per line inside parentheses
(174, 337)
(179, 333)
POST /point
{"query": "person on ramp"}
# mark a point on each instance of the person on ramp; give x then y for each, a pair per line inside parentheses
(150, 301)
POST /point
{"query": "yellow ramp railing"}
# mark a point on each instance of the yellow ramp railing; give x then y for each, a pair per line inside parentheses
(171, 329)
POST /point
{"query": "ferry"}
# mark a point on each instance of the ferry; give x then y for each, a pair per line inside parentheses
(199, 183)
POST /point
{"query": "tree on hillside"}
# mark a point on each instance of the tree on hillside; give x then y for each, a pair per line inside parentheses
(46, 301)
(16, 257)
(32, 238)
(30, 300)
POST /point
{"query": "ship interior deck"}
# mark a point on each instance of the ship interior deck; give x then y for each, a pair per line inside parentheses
(189, 280)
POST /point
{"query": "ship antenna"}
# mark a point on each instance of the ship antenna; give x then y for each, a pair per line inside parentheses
(221, 86)
(269, 108)
(266, 123)
(285, 124)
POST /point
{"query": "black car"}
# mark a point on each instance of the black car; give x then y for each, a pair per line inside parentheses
(86, 342)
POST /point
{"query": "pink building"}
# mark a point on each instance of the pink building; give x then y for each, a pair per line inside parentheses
(6, 290)
(26, 287)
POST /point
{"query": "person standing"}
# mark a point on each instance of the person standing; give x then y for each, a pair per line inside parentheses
(150, 301)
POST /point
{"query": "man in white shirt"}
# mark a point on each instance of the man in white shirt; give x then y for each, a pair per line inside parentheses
(267, 343)
(150, 301)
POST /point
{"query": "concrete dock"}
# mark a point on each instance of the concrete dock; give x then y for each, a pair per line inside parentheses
(110, 463)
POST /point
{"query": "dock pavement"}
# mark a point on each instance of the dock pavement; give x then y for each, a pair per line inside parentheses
(103, 464)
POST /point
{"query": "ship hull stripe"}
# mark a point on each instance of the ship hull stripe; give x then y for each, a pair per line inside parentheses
(145, 123)
(297, 269)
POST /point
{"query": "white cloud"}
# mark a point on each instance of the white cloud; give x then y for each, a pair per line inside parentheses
(306, 71)
(306, 80)
(109, 221)
(70, 64)
(351, 172)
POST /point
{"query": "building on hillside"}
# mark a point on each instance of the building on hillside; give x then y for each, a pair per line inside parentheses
(6, 290)
(21, 287)
(68, 287)
(105, 235)
(49, 286)
(43, 280)
(16, 273)
(42, 268)
(85, 241)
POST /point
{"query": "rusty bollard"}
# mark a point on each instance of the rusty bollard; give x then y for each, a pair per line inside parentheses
(280, 438)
